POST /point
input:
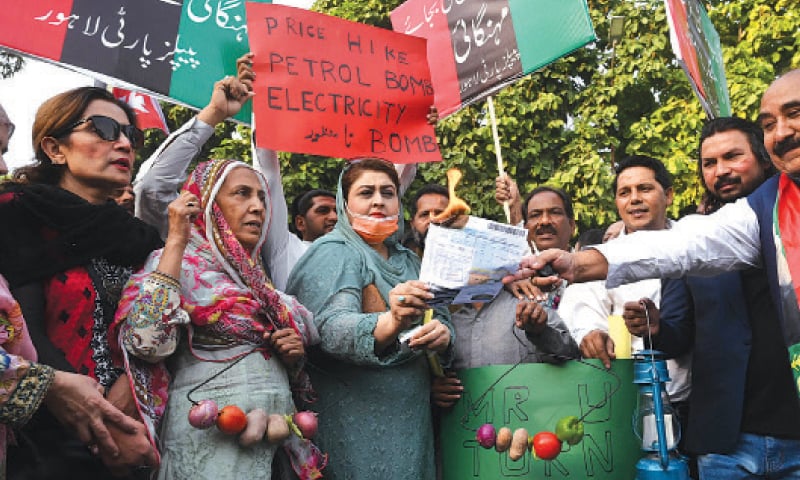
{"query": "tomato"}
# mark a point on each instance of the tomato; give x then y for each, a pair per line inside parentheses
(231, 420)
(545, 445)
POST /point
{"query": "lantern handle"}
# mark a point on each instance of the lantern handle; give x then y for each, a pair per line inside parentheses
(658, 405)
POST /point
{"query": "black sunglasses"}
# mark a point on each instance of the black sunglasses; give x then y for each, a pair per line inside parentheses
(109, 129)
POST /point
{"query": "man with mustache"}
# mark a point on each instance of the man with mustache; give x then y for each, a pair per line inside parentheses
(515, 327)
(546, 213)
(549, 218)
(732, 162)
(643, 191)
(732, 330)
(758, 231)
(429, 201)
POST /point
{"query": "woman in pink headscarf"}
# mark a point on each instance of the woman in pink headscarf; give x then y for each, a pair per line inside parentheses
(201, 321)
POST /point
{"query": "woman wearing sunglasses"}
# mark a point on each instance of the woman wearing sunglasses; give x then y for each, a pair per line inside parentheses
(69, 252)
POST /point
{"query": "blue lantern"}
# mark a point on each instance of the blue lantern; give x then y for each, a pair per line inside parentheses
(655, 421)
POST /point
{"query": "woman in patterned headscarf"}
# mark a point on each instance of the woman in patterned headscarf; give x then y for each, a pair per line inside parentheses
(209, 277)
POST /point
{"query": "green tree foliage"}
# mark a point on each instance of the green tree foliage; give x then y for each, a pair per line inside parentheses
(567, 124)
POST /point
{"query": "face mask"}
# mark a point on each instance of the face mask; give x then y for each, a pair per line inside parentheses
(373, 230)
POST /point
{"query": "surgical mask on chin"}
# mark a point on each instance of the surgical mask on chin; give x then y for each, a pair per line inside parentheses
(373, 230)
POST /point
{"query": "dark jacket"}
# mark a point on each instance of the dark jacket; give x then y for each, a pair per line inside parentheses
(721, 340)
(718, 328)
(762, 201)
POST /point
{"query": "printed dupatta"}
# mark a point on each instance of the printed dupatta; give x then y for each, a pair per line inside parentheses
(786, 229)
(223, 288)
(245, 268)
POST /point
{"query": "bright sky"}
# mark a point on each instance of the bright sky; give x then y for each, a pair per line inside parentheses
(22, 94)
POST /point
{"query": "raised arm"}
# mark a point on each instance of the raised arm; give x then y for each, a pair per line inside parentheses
(702, 245)
(162, 174)
(282, 249)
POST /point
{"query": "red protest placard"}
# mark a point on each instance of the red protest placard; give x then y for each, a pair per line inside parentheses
(327, 86)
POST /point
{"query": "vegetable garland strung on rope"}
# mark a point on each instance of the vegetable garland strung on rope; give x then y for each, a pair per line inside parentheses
(544, 445)
(253, 426)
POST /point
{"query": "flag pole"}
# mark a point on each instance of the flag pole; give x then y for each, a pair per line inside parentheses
(497, 151)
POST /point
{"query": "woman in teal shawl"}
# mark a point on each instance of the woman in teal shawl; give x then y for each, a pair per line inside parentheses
(360, 283)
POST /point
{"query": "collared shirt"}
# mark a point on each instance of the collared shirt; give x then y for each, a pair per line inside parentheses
(587, 306)
(487, 336)
(702, 245)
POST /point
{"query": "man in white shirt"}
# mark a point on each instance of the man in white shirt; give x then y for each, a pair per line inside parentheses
(759, 229)
(643, 191)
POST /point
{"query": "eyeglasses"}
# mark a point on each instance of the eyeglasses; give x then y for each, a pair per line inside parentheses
(109, 129)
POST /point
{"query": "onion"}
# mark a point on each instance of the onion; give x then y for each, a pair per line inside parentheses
(306, 421)
(203, 414)
(486, 435)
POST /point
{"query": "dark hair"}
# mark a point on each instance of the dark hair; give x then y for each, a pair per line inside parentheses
(431, 188)
(593, 236)
(753, 132)
(354, 170)
(303, 202)
(546, 188)
(53, 118)
(663, 177)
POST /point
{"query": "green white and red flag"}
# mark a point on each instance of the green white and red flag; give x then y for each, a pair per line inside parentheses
(172, 48)
(477, 47)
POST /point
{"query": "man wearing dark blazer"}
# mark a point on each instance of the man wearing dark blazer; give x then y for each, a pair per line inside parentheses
(742, 387)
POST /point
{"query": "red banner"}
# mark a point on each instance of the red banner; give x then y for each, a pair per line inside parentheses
(331, 87)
